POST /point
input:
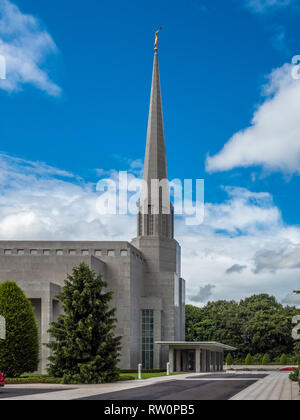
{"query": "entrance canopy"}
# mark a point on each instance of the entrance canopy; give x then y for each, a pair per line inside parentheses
(196, 356)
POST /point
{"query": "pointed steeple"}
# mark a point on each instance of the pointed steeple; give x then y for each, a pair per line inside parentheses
(155, 158)
(155, 210)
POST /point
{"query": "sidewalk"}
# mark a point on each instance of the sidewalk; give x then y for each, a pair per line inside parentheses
(276, 386)
(71, 392)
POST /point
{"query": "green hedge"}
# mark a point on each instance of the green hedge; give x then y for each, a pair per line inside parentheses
(144, 370)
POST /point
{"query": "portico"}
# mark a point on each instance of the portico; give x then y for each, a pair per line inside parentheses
(196, 356)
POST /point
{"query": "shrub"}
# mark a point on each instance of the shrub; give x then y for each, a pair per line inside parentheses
(19, 353)
(257, 359)
(229, 359)
(283, 359)
(266, 359)
(294, 375)
(248, 360)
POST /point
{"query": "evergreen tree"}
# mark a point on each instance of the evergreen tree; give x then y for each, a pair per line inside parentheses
(248, 360)
(283, 359)
(19, 353)
(229, 359)
(85, 349)
(266, 360)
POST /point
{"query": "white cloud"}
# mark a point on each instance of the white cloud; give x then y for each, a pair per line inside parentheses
(39, 202)
(262, 6)
(273, 260)
(25, 46)
(273, 138)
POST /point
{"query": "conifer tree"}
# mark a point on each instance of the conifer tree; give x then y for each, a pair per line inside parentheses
(283, 359)
(19, 353)
(84, 347)
(248, 360)
(266, 360)
(229, 359)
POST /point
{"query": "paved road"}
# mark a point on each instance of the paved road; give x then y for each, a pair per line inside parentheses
(241, 386)
(11, 392)
(180, 390)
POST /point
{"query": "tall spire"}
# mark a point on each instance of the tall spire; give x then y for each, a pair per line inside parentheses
(155, 211)
(155, 158)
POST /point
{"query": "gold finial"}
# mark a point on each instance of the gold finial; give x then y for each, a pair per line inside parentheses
(156, 39)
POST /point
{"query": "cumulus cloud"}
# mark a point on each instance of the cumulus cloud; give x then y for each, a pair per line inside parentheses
(262, 6)
(284, 258)
(203, 295)
(273, 138)
(40, 202)
(25, 46)
(236, 268)
(291, 299)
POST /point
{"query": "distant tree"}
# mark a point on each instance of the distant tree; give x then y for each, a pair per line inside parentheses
(19, 353)
(229, 359)
(283, 359)
(257, 359)
(85, 348)
(266, 360)
(248, 359)
(256, 325)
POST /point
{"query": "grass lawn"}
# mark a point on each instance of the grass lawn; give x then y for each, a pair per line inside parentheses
(128, 376)
(33, 379)
(45, 379)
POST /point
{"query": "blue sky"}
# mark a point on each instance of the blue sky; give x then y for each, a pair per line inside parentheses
(76, 101)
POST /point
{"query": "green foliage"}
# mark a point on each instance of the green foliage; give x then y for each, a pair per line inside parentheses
(283, 359)
(256, 325)
(266, 359)
(297, 352)
(294, 375)
(32, 379)
(257, 359)
(248, 359)
(19, 353)
(85, 349)
(229, 359)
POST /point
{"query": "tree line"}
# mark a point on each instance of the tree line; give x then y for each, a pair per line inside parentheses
(257, 325)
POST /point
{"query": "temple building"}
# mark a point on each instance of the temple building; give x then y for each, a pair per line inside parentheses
(144, 274)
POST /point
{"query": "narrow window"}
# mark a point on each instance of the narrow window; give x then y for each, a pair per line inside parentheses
(147, 330)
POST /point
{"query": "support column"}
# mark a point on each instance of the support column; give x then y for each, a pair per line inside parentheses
(198, 361)
(47, 317)
(218, 360)
(203, 369)
(171, 359)
(178, 360)
(208, 357)
(213, 360)
(184, 361)
(222, 361)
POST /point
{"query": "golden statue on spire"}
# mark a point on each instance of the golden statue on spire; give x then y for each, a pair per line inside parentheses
(156, 40)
